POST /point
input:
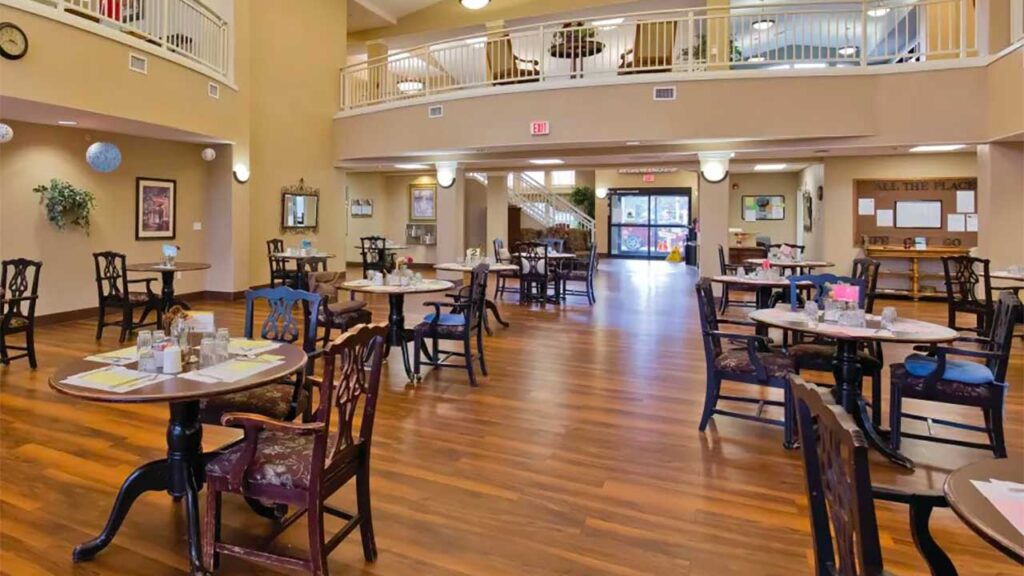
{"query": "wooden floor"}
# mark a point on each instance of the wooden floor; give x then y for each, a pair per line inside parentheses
(579, 455)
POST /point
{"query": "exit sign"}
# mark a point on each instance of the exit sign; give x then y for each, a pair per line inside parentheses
(540, 128)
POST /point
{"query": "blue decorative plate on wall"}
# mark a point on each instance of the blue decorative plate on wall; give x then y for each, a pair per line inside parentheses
(103, 156)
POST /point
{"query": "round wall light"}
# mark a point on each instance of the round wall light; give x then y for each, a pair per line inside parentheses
(446, 174)
(601, 193)
(208, 154)
(474, 4)
(714, 166)
(103, 156)
(6, 133)
(241, 172)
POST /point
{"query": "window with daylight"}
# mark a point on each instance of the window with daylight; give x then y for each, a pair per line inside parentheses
(563, 178)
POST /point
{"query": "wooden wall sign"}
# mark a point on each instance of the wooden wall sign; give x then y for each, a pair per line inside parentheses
(941, 210)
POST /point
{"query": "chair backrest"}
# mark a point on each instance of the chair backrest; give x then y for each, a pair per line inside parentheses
(721, 259)
(501, 60)
(842, 508)
(554, 244)
(352, 369)
(277, 264)
(823, 284)
(19, 282)
(965, 277)
(111, 279)
(763, 241)
(776, 248)
(533, 259)
(474, 312)
(275, 246)
(1001, 334)
(653, 44)
(312, 264)
(326, 284)
(592, 260)
(371, 248)
(499, 247)
(708, 320)
(867, 270)
(280, 324)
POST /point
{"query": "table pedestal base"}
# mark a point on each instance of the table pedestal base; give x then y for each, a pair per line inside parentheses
(848, 393)
(397, 334)
(181, 474)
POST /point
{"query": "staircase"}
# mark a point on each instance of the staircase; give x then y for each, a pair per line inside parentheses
(543, 205)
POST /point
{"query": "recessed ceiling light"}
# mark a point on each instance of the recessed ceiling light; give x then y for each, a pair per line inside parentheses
(412, 166)
(847, 51)
(67, 122)
(763, 24)
(474, 4)
(607, 22)
(546, 161)
(878, 12)
(410, 85)
(769, 167)
(938, 148)
(755, 59)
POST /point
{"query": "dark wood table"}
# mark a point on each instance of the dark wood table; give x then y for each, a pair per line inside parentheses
(848, 391)
(167, 298)
(977, 512)
(575, 51)
(182, 473)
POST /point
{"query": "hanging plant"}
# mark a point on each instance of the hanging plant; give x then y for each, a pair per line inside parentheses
(65, 204)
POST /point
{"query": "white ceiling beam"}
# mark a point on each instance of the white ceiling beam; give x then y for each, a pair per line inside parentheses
(378, 11)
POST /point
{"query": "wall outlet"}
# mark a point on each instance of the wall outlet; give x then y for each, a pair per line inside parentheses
(197, 225)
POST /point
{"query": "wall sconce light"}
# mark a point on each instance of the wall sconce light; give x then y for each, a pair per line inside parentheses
(714, 166)
(208, 154)
(6, 133)
(446, 174)
(601, 193)
(241, 172)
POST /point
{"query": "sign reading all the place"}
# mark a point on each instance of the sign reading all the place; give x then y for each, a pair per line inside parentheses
(540, 128)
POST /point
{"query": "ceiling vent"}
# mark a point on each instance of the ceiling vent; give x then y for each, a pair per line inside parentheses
(435, 111)
(664, 92)
(213, 90)
(138, 63)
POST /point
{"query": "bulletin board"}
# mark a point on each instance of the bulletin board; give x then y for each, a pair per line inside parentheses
(942, 210)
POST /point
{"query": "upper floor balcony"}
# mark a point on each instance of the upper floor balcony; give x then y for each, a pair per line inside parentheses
(737, 40)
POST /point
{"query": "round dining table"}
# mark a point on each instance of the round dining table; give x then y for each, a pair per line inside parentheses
(800, 266)
(182, 472)
(466, 270)
(763, 286)
(978, 512)
(1007, 275)
(299, 256)
(398, 335)
(167, 299)
(848, 391)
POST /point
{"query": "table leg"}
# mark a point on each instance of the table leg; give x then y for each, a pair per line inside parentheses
(396, 329)
(167, 289)
(180, 474)
(497, 315)
(848, 393)
(763, 295)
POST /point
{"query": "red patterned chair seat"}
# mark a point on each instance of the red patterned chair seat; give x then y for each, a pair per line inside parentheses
(273, 401)
(442, 330)
(138, 297)
(281, 459)
(949, 391)
(738, 362)
(17, 322)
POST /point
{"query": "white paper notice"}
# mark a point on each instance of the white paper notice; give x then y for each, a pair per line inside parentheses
(965, 201)
(956, 223)
(972, 222)
(883, 218)
(865, 206)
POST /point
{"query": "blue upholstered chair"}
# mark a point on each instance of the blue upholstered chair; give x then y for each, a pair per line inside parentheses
(463, 323)
(937, 377)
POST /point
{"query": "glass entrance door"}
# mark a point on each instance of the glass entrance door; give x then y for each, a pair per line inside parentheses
(648, 223)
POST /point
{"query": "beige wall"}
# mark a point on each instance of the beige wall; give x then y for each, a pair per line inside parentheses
(781, 184)
(476, 216)
(1001, 204)
(390, 194)
(810, 179)
(39, 153)
(838, 204)
(607, 179)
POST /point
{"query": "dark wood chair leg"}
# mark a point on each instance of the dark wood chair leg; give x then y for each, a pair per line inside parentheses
(998, 438)
(99, 325)
(725, 300)
(417, 353)
(789, 418)
(211, 530)
(710, 400)
(317, 554)
(365, 514)
(3, 350)
(30, 346)
(895, 416)
(468, 350)
(876, 398)
(126, 323)
(480, 351)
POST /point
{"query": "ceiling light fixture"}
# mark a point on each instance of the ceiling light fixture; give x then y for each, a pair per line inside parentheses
(938, 148)
(763, 24)
(408, 86)
(546, 161)
(67, 122)
(714, 166)
(878, 12)
(847, 51)
(601, 193)
(769, 167)
(474, 4)
(411, 166)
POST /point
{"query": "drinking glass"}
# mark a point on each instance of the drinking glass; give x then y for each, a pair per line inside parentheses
(811, 311)
(207, 352)
(222, 340)
(889, 317)
(144, 350)
(832, 310)
(741, 272)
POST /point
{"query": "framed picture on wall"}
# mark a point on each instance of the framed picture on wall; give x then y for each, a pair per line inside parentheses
(808, 211)
(422, 202)
(155, 209)
(763, 208)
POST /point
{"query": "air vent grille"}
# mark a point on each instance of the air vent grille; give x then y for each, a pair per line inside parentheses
(435, 111)
(138, 63)
(213, 90)
(664, 92)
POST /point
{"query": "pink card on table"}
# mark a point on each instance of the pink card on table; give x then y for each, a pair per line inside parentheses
(846, 293)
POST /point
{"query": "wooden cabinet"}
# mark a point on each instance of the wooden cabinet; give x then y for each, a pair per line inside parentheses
(738, 254)
(911, 273)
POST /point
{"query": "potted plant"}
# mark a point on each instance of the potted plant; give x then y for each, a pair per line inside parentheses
(583, 198)
(574, 33)
(66, 205)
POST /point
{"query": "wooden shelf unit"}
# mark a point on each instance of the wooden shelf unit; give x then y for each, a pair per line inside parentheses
(914, 275)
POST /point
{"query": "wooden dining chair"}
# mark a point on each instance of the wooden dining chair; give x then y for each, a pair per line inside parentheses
(939, 378)
(653, 48)
(581, 272)
(727, 269)
(375, 255)
(969, 291)
(19, 292)
(463, 323)
(535, 271)
(754, 363)
(114, 290)
(841, 497)
(336, 313)
(867, 269)
(505, 67)
(280, 272)
(503, 256)
(283, 399)
(302, 465)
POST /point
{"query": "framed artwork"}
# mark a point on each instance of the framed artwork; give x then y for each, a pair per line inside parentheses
(763, 208)
(808, 212)
(361, 208)
(422, 202)
(156, 205)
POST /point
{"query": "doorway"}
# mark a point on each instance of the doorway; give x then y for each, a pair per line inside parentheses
(648, 223)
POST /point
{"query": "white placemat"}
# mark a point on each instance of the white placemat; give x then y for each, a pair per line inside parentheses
(115, 379)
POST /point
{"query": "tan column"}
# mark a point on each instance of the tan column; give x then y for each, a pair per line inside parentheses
(718, 34)
(497, 208)
(227, 223)
(713, 202)
(996, 17)
(451, 205)
(377, 75)
(1000, 203)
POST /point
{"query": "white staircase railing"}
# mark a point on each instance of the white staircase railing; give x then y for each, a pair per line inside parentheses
(545, 206)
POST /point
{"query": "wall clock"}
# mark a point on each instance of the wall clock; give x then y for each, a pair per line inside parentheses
(13, 42)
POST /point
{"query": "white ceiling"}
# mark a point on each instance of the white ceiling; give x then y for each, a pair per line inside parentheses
(368, 14)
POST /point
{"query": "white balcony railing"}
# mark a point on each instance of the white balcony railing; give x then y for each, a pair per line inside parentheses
(187, 28)
(769, 36)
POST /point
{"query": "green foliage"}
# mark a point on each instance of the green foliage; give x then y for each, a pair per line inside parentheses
(574, 33)
(65, 204)
(583, 198)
